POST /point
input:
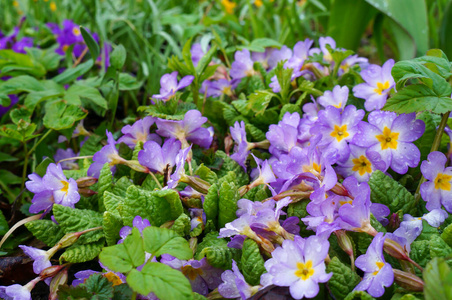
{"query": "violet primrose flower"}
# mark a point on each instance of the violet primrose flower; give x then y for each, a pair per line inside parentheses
(139, 131)
(219, 87)
(138, 222)
(63, 154)
(108, 153)
(169, 85)
(378, 84)
(157, 158)
(40, 257)
(437, 190)
(337, 97)
(243, 66)
(17, 291)
(300, 265)
(234, 284)
(378, 274)
(180, 167)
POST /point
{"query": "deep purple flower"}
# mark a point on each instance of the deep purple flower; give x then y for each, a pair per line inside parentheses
(392, 136)
(219, 87)
(108, 153)
(300, 265)
(437, 190)
(337, 128)
(25, 42)
(337, 97)
(4, 109)
(67, 36)
(243, 66)
(63, 154)
(188, 129)
(139, 132)
(8, 40)
(378, 274)
(157, 158)
(169, 85)
(202, 276)
(234, 284)
(378, 83)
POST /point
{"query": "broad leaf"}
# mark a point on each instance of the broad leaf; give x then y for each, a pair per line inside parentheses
(159, 241)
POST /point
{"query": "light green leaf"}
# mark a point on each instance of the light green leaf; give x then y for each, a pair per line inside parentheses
(61, 116)
(112, 224)
(211, 203)
(343, 280)
(182, 225)
(118, 57)
(227, 203)
(437, 276)
(252, 262)
(159, 241)
(78, 253)
(206, 174)
(259, 100)
(165, 282)
(259, 45)
(92, 95)
(71, 74)
(46, 231)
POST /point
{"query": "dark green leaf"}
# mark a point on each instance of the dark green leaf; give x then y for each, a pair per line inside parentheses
(252, 262)
(46, 231)
(343, 280)
(78, 253)
(91, 43)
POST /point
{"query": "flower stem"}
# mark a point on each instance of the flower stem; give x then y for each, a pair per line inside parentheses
(39, 142)
(156, 180)
(435, 146)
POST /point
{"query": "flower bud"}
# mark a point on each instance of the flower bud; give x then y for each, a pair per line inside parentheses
(52, 271)
(135, 165)
(408, 281)
(346, 244)
(196, 183)
(85, 192)
(58, 279)
(228, 143)
(340, 190)
(86, 181)
(395, 250)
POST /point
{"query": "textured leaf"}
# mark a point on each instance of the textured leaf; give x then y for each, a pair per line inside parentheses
(182, 225)
(231, 165)
(156, 206)
(125, 256)
(159, 241)
(217, 252)
(437, 276)
(359, 295)
(46, 231)
(112, 224)
(259, 101)
(343, 280)
(447, 235)
(75, 220)
(289, 108)
(112, 202)
(386, 190)
(91, 146)
(121, 186)
(211, 203)
(206, 174)
(255, 133)
(424, 250)
(252, 262)
(228, 195)
(104, 184)
(60, 116)
(165, 282)
(79, 253)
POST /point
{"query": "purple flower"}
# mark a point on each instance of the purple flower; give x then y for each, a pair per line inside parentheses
(378, 274)
(338, 128)
(40, 257)
(8, 41)
(4, 109)
(300, 54)
(169, 85)
(219, 87)
(323, 41)
(272, 56)
(350, 61)
(180, 167)
(361, 163)
(138, 222)
(284, 136)
(437, 190)
(197, 52)
(25, 42)
(242, 147)
(139, 132)
(157, 158)
(108, 153)
(234, 284)
(378, 83)
(202, 276)
(18, 292)
(355, 215)
(243, 66)
(392, 136)
(300, 265)
(188, 129)
(198, 216)
(63, 154)
(66, 36)
(337, 98)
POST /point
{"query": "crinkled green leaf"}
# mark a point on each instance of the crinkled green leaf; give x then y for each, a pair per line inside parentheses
(343, 280)
(211, 203)
(112, 202)
(259, 100)
(424, 250)
(289, 108)
(228, 195)
(386, 190)
(122, 291)
(112, 224)
(359, 295)
(206, 174)
(79, 253)
(447, 235)
(46, 231)
(182, 225)
(160, 241)
(96, 285)
(120, 187)
(165, 282)
(255, 133)
(125, 256)
(104, 184)
(217, 252)
(437, 277)
(156, 206)
(231, 165)
(252, 262)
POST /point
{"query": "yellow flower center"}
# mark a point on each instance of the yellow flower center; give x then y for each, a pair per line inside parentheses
(340, 133)
(379, 265)
(442, 182)
(388, 139)
(338, 106)
(381, 87)
(362, 165)
(191, 272)
(342, 202)
(53, 6)
(228, 6)
(258, 3)
(65, 47)
(113, 278)
(227, 91)
(76, 31)
(304, 270)
(65, 187)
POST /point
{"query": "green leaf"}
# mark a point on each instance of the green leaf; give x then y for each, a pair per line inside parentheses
(41, 169)
(343, 280)
(122, 291)
(91, 43)
(75, 220)
(121, 186)
(252, 262)
(59, 115)
(78, 253)
(14, 64)
(104, 184)
(112, 224)
(259, 45)
(211, 203)
(447, 235)
(125, 256)
(217, 252)
(228, 195)
(165, 282)
(259, 100)
(3, 224)
(21, 113)
(424, 250)
(156, 206)
(206, 174)
(437, 276)
(230, 165)
(98, 285)
(112, 202)
(160, 241)
(46, 231)
(118, 57)
(91, 96)
(359, 295)
(71, 74)
(387, 191)
(446, 27)
(182, 225)
(128, 83)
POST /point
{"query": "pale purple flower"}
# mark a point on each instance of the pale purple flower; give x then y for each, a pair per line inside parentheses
(108, 153)
(234, 284)
(284, 135)
(169, 85)
(17, 291)
(63, 154)
(202, 276)
(139, 132)
(198, 216)
(40, 257)
(265, 175)
(157, 158)
(242, 147)
(138, 222)
(188, 129)
(338, 128)
(350, 62)
(243, 66)
(378, 274)
(337, 97)
(300, 265)
(181, 157)
(392, 136)
(219, 87)
(378, 84)
(197, 52)
(437, 190)
(272, 56)
(355, 215)
(300, 54)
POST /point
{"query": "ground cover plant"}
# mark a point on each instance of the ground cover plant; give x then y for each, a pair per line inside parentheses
(243, 164)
